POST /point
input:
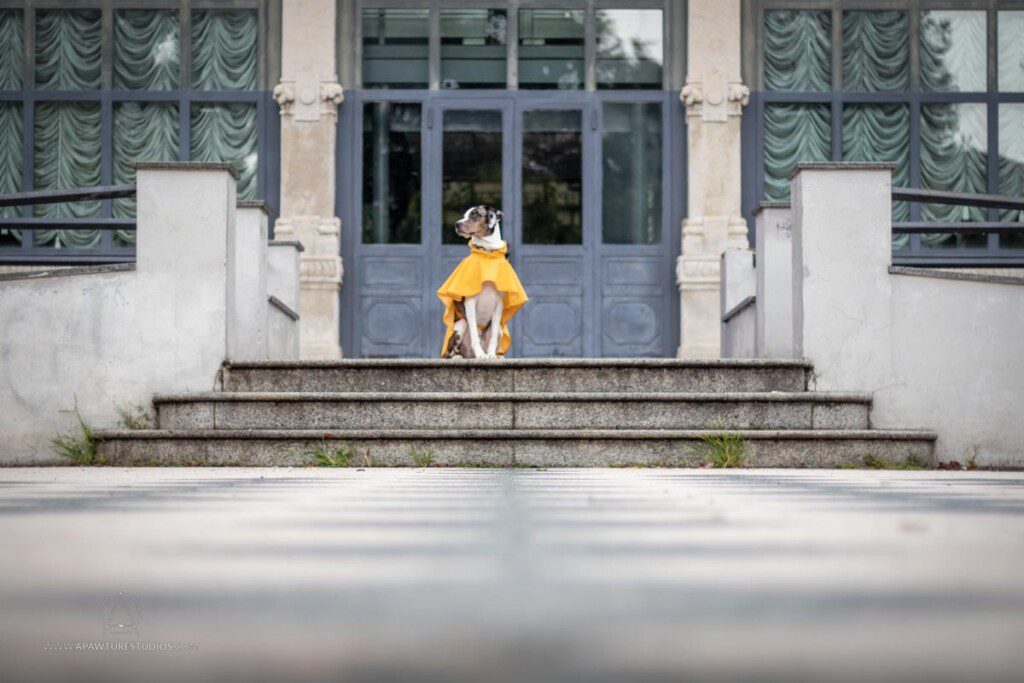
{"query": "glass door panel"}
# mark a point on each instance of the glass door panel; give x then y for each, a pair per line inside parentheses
(631, 167)
(471, 149)
(552, 186)
(548, 249)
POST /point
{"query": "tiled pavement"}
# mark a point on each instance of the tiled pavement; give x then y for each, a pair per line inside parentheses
(445, 574)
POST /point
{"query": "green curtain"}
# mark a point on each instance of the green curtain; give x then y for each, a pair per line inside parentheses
(68, 146)
(876, 50)
(141, 132)
(227, 133)
(225, 46)
(953, 157)
(146, 50)
(798, 50)
(69, 44)
(953, 55)
(881, 132)
(793, 133)
(1011, 51)
(1011, 165)
(11, 165)
(12, 55)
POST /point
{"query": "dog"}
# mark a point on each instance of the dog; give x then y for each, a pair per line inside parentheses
(483, 292)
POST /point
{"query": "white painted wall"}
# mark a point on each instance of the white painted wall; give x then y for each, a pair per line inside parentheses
(774, 275)
(119, 337)
(737, 285)
(937, 353)
(284, 284)
(247, 266)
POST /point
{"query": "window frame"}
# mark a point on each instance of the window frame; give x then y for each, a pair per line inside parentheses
(107, 98)
(754, 125)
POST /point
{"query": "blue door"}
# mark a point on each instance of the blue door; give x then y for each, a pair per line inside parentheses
(583, 179)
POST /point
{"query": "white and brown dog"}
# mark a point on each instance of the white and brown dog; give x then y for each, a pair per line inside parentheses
(483, 292)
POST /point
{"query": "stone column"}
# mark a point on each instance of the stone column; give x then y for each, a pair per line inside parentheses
(714, 96)
(308, 95)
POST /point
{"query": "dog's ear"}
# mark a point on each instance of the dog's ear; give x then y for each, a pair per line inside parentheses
(498, 215)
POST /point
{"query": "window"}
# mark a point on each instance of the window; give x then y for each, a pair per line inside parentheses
(499, 44)
(932, 116)
(124, 66)
(396, 48)
(392, 162)
(473, 48)
(551, 48)
(631, 192)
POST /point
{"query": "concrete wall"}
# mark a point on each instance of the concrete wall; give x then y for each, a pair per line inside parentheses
(738, 304)
(247, 266)
(113, 336)
(283, 298)
(939, 351)
(773, 252)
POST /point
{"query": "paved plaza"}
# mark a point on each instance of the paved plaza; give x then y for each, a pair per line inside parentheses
(504, 575)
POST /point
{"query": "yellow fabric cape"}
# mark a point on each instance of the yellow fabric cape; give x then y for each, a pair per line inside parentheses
(468, 279)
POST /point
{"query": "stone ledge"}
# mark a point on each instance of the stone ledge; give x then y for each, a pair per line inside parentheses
(842, 166)
(254, 204)
(185, 166)
(531, 396)
(518, 434)
(951, 275)
(471, 364)
(61, 272)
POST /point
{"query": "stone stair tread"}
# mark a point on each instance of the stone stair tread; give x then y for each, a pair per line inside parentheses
(411, 396)
(426, 434)
(526, 363)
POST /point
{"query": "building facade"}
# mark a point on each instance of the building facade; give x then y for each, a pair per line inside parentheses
(627, 143)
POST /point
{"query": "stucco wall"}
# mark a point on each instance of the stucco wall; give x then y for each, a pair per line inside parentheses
(938, 350)
(115, 337)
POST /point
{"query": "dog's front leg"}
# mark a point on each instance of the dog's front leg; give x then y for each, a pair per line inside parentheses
(474, 331)
(492, 342)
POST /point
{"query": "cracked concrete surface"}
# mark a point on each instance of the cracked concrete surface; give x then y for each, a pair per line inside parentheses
(479, 574)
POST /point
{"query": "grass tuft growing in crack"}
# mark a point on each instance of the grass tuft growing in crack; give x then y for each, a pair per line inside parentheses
(724, 450)
(327, 454)
(424, 457)
(133, 416)
(79, 443)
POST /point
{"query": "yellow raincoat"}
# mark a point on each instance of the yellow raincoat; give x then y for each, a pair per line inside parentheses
(468, 279)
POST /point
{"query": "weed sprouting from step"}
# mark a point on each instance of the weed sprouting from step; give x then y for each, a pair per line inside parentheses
(424, 457)
(133, 416)
(326, 454)
(875, 462)
(725, 450)
(79, 443)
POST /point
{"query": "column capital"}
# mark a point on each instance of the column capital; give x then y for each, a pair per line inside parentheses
(309, 100)
(714, 102)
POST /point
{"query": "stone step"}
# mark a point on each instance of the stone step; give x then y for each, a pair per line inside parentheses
(519, 375)
(512, 410)
(543, 448)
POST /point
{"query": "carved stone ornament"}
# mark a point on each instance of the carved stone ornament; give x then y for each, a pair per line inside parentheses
(714, 103)
(310, 100)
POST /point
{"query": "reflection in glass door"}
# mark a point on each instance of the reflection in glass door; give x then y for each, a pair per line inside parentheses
(549, 244)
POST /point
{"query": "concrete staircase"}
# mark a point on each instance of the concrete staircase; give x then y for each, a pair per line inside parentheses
(522, 412)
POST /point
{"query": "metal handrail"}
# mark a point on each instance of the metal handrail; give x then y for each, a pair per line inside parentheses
(982, 201)
(67, 195)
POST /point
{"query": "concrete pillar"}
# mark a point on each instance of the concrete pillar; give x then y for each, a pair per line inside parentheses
(774, 256)
(714, 96)
(309, 95)
(247, 284)
(842, 249)
(283, 284)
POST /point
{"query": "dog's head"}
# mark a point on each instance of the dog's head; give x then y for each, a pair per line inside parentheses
(478, 221)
